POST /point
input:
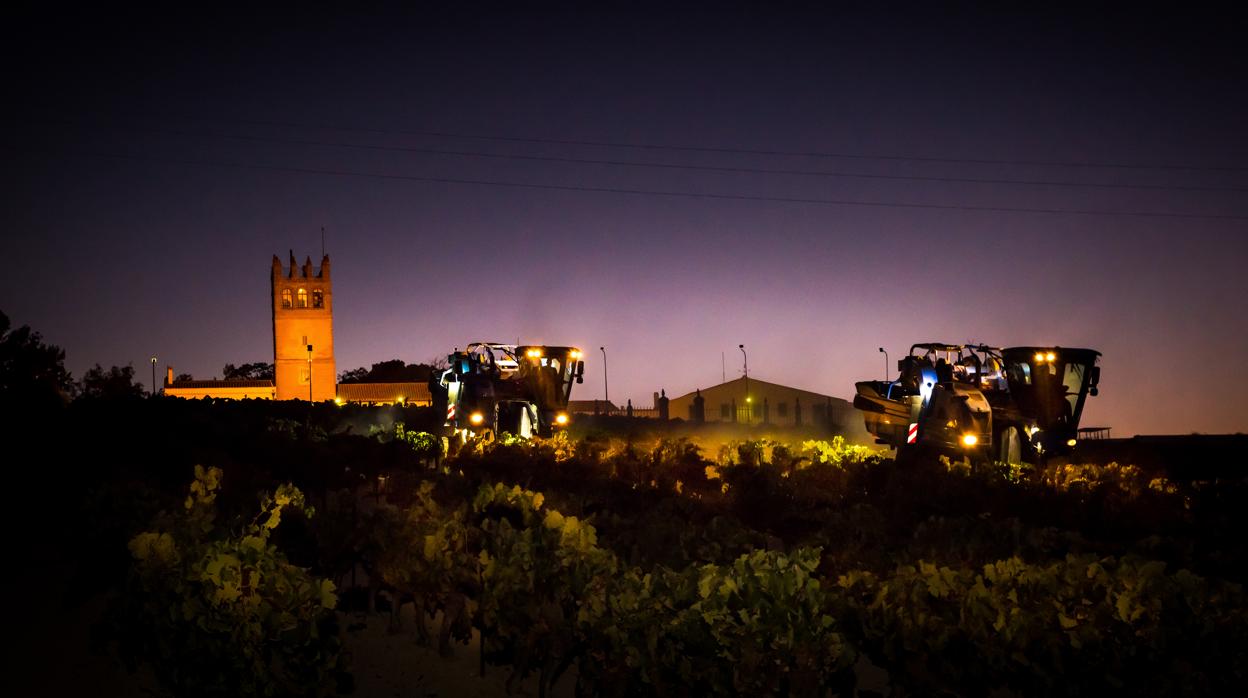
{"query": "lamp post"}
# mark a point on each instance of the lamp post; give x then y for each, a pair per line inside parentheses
(153, 376)
(749, 409)
(886, 364)
(606, 396)
(309, 373)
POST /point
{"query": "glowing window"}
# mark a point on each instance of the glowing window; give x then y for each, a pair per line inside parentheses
(286, 299)
(318, 298)
(302, 298)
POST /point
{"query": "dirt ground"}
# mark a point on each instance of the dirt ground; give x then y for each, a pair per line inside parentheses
(390, 665)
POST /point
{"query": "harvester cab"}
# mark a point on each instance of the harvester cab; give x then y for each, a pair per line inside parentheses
(522, 390)
(1048, 387)
(1012, 404)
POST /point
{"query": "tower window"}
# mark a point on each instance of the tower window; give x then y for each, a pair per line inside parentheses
(318, 298)
(287, 301)
(301, 300)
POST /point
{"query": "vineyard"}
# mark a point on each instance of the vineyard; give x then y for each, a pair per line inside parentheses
(612, 563)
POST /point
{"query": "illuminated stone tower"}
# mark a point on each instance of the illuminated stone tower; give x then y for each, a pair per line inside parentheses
(303, 316)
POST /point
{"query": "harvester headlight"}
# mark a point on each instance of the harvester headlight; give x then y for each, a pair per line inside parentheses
(1071, 442)
(534, 353)
(561, 419)
(338, 401)
(476, 418)
(969, 440)
(575, 353)
(1050, 356)
(1039, 357)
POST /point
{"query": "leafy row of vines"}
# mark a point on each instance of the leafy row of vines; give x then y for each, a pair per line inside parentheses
(768, 569)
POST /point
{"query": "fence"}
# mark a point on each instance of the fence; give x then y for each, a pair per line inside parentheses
(642, 412)
(1094, 433)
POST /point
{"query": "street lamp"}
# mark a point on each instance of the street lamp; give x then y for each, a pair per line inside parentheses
(606, 397)
(749, 409)
(153, 376)
(886, 364)
(309, 373)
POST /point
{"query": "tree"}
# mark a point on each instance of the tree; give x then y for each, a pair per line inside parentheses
(116, 383)
(258, 371)
(355, 375)
(30, 370)
(183, 377)
(392, 371)
(438, 364)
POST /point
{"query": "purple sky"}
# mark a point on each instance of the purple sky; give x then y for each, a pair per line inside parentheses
(116, 259)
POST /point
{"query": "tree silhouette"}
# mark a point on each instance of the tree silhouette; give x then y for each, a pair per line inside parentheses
(257, 371)
(116, 383)
(355, 375)
(392, 371)
(31, 372)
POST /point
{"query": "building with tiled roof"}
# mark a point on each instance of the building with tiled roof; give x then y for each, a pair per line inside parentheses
(385, 393)
(227, 389)
(301, 302)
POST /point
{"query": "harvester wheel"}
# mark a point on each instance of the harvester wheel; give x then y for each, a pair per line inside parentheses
(1009, 446)
(906, 455)
(913, 455)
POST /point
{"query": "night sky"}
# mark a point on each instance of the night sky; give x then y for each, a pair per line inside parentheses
(157, 163)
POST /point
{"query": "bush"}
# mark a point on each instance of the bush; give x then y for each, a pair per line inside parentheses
(215, 612)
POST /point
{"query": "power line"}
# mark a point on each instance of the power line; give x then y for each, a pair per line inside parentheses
(675, 166)
(660, 193)
(746, 151)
